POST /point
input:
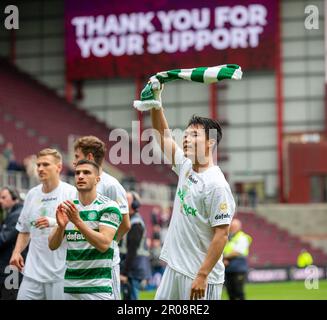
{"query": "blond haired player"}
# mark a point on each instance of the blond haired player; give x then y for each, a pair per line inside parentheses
(44, 269)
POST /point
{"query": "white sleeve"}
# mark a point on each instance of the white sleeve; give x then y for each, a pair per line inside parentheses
(23, 224)
(179, 160)
(117, 193)
(220, 206)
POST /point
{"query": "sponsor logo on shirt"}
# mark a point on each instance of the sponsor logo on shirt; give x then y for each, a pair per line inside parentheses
(76, 236)
(222, 216)
(114, 218)
(192, 179)
(181, 194)
(49, 199)
(121, 203)
(188, 210)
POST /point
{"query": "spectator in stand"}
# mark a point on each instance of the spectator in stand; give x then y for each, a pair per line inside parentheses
(8, 152)
(135, 262)
(156, 232)
(165, 218)
(252, 194)
(304, 259)
(9, 155)
(156, 216)
(157, 265)
(10, 203)
(30, 177)
(30, 166)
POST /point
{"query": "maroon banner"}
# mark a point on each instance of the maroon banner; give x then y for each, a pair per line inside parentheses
(134, 39)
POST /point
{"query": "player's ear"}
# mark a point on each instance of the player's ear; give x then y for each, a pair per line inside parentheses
(98, 179)
(59, 166)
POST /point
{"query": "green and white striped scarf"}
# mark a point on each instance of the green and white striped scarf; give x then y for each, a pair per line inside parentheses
(202, 74)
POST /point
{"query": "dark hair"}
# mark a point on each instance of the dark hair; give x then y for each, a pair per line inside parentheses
(208, 125)
(92, 163)
(13, 193)
(136, 203)
(91, 144)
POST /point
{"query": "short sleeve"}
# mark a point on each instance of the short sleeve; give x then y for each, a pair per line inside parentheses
(220, 206)
(180, 159)
(117, 193)
(110, 217)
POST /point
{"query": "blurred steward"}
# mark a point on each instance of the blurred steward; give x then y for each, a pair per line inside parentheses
(235, 259)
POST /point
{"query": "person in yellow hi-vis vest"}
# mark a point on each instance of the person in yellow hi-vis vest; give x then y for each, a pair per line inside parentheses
(304, 259)
(235, 260)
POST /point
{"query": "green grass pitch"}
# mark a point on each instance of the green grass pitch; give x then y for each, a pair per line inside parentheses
(295, 290)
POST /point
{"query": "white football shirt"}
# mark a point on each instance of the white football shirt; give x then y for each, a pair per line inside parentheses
(111, 188)
(203, 200)
(43, 264)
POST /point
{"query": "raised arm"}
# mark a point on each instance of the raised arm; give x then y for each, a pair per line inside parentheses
(160, 124)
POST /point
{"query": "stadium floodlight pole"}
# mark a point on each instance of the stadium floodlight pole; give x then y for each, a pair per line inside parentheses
(213, 100)
(279, 103)
(325, 26)
(69, 91)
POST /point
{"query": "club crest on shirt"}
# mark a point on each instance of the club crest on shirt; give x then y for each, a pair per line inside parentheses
(92, 216)
(223, 207)
(187, 173)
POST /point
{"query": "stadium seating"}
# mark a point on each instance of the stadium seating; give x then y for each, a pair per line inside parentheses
(273, 246)
(25, 142)
(42, 111)
(309, 221)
